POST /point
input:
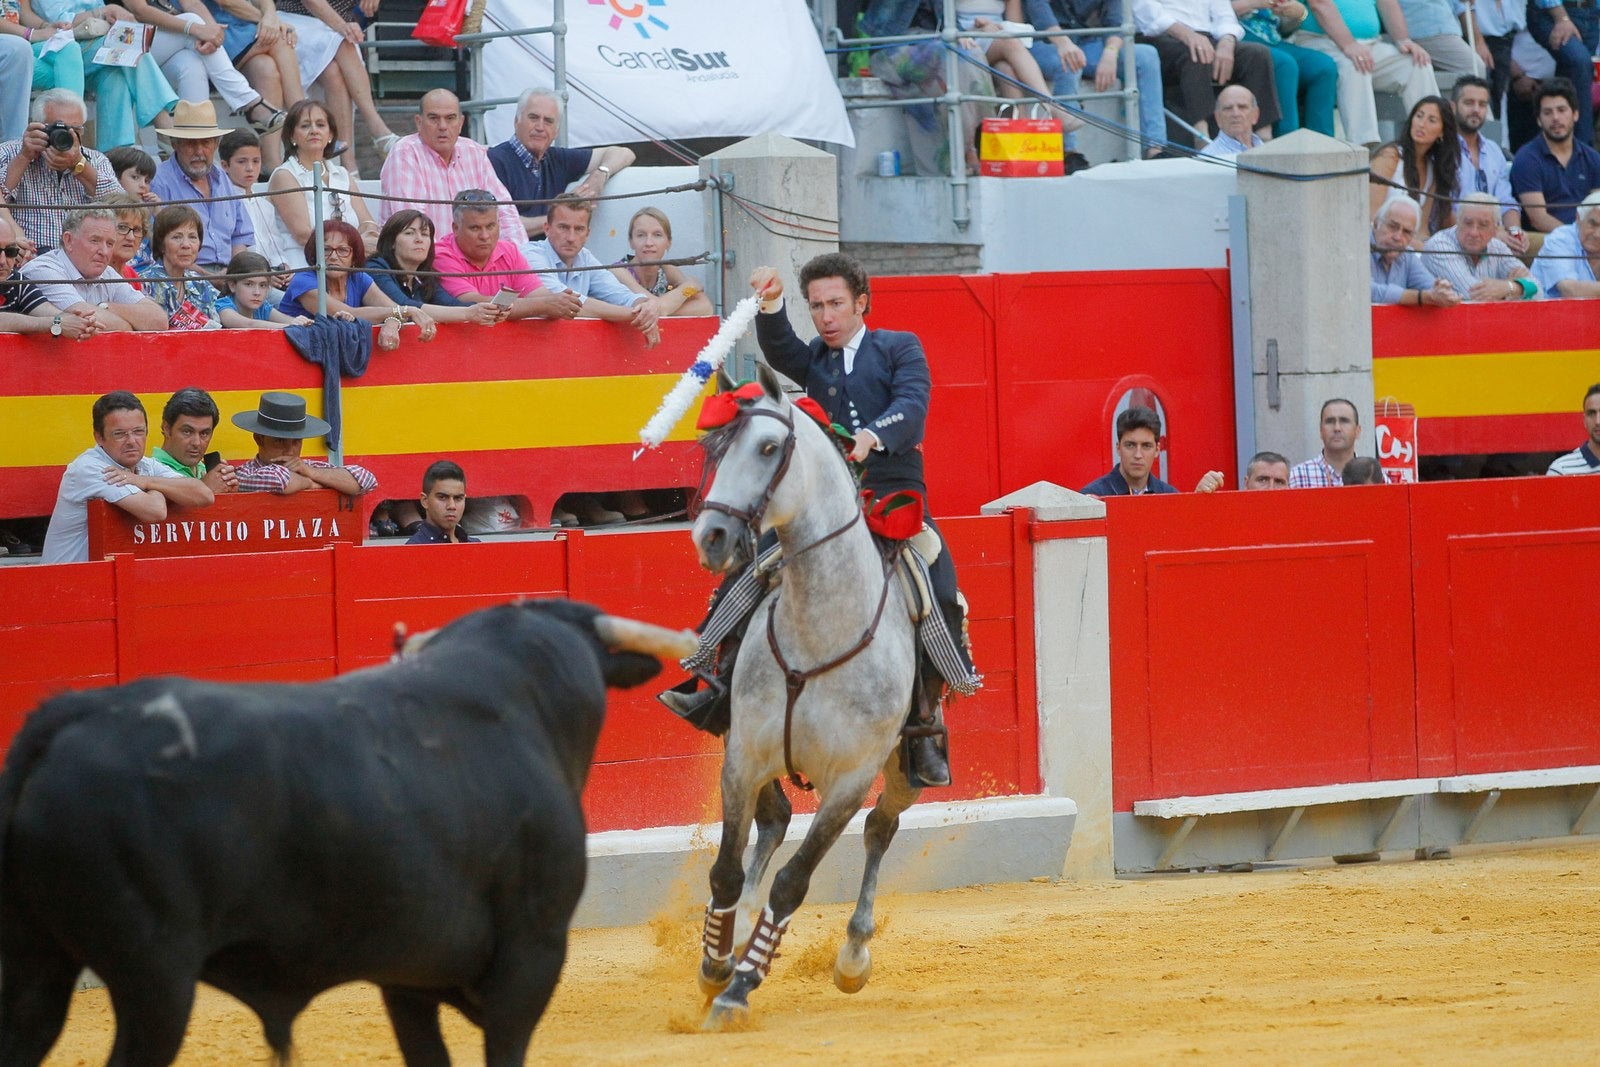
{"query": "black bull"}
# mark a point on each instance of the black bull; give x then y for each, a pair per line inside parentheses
(416, 825)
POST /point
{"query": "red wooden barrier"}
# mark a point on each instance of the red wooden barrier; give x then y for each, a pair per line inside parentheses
(234, 522)
(1507, 572)
(303, 615)
(1267, 640)
(1259, 640)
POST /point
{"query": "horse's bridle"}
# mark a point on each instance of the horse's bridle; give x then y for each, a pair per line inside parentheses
(794, 680)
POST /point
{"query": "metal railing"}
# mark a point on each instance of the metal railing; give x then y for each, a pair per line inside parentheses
(952, 99)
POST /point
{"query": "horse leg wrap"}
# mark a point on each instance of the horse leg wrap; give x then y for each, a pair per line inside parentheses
(718, 936)
(763, 947)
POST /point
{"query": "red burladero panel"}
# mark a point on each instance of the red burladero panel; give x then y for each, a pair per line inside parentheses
(1506, 579)
(1259, 641)
(1070, 344)
(955, 319)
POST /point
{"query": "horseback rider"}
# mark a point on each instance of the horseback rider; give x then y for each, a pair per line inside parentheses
(875, 384)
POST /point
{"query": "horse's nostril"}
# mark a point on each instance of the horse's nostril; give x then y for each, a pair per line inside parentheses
(714, 538)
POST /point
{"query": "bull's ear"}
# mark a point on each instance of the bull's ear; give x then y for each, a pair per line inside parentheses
(725, 384)
(769, 382)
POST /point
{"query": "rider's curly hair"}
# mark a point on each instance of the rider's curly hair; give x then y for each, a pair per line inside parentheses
(836, 265)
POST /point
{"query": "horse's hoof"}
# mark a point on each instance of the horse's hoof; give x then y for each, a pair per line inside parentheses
(851, 983)
(725, 1015)
(711, 983)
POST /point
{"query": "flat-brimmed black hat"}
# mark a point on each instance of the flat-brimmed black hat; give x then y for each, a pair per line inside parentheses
(281, 415)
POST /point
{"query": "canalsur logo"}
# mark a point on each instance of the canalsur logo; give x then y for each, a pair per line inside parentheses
(634, 14)
(694, 65)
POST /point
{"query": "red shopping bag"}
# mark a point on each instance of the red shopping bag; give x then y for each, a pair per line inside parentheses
(440, 22)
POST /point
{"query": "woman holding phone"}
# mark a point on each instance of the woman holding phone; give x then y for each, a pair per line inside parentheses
(403, 271)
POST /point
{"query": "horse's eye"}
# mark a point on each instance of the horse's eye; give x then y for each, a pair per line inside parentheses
(769, 448)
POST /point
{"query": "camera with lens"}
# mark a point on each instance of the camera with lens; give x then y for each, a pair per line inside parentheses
(61, 137)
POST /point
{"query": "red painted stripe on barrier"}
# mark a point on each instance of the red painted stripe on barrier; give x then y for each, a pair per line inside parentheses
(1500, 433)
(1557, 325)
(1065, 529)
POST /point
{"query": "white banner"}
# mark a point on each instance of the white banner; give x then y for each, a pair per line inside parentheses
(638, 69)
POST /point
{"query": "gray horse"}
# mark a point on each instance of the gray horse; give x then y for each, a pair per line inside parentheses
(820, 688)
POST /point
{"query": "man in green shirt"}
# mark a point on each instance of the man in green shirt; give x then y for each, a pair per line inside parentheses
(187, 422)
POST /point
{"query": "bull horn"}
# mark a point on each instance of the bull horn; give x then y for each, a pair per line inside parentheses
(409, 646)
(630, 635)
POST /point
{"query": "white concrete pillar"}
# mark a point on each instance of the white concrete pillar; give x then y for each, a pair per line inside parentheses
(1310, 293)
(1072, 651)
(793, 194)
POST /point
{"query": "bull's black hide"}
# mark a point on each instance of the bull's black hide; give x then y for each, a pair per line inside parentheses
(416, 825)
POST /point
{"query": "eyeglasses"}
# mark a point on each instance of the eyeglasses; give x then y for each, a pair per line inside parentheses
(124, 229)
(11, 251)
(338, 251)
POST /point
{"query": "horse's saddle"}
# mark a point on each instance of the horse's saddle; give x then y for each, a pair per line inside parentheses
(911, 566)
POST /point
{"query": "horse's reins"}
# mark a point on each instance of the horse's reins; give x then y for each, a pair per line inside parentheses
(794, 681)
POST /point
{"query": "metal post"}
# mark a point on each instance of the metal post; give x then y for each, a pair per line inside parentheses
(716, 279)
(1130, 87)
(960, 203)
(1244, 368)
(317, 236)
(560, 51)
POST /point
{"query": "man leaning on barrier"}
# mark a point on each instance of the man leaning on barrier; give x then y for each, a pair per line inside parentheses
(117, 471)
(24, 308)
(188, 419)
(79, 277)
(1473, 260)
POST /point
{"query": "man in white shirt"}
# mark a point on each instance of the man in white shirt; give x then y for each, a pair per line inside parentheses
(1585, 459)
(602, 295)
(115, 470)
(78, 276)
(1202, 47)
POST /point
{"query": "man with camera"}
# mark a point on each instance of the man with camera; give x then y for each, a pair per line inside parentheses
(50, 166)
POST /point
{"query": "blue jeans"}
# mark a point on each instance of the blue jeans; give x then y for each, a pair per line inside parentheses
(1572, 58)
(1308, 84)
(1147, 67)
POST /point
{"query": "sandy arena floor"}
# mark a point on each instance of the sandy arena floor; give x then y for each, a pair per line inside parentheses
(1486, 959)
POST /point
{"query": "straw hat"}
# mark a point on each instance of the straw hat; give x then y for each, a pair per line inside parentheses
(194, 121)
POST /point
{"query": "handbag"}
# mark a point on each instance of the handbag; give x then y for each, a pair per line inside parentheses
(440, 22)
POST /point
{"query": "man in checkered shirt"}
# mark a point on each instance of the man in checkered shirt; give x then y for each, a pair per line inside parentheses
(1340, 427)
(32, 172)
(279, 424)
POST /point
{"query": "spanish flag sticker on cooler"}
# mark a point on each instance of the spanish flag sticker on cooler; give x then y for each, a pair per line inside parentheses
(1020, 148)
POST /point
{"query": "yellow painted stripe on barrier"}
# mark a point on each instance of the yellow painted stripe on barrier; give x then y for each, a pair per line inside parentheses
(1490, 383)
(388, 420)
(43, 431)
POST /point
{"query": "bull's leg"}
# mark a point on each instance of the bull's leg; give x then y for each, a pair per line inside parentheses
(36, 980)
(727, 878)
(772, 823)
(788, 890)
(415, 1018)
(515, 994)
(854, 963)
(152, 1009)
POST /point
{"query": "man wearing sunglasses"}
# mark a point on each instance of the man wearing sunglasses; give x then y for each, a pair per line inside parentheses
(23, 308)
(32, 171)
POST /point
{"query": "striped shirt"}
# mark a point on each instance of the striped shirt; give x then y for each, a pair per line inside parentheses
(59, 188)
(1442, 257)
(258, 477)
(416, 172)
(1581, 460)
(1314, 473)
